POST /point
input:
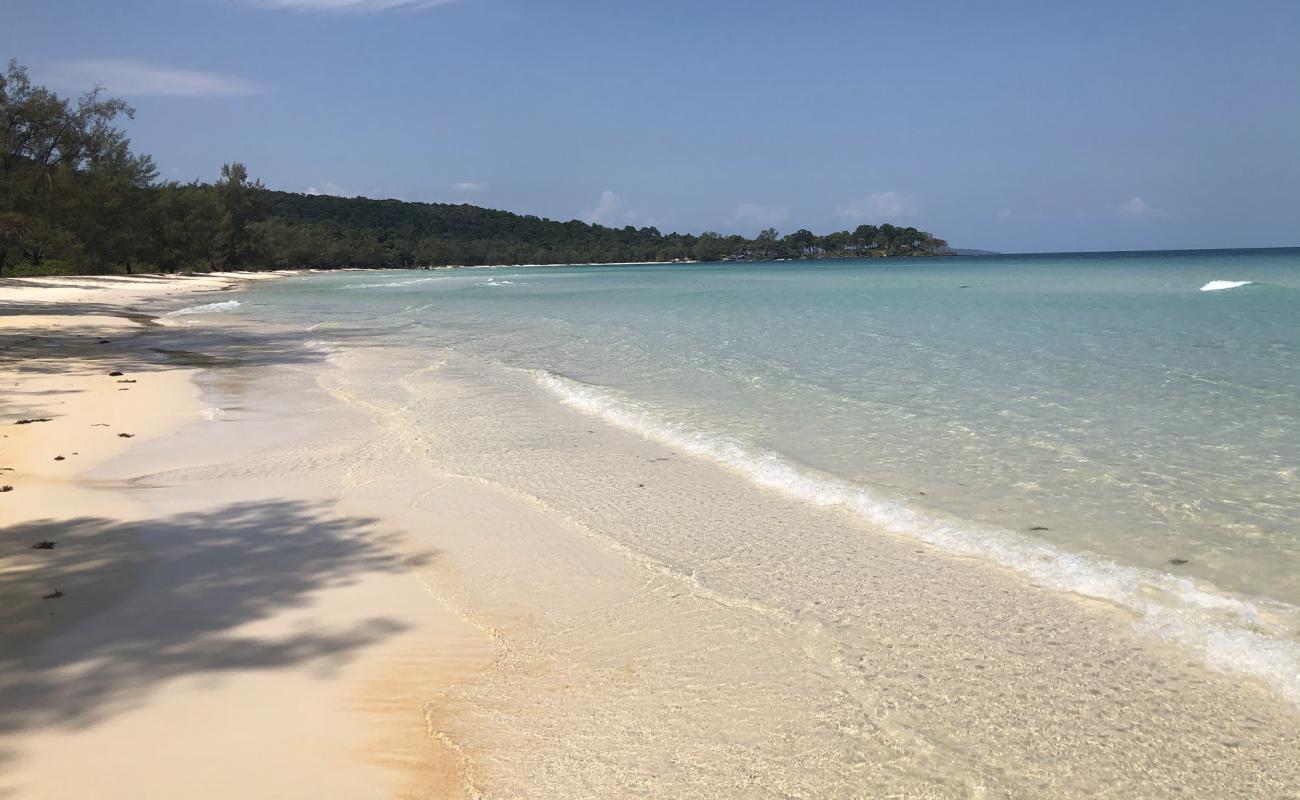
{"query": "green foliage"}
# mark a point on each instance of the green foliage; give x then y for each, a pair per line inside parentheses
(74, 198)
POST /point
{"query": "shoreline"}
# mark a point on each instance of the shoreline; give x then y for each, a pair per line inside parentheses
(303, 677)
(614, 622)
(373, 589)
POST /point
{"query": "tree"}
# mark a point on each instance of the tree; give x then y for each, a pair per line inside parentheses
(802, 240)
(46, 140)
(240, 206)
(865, 236)
(709, 246)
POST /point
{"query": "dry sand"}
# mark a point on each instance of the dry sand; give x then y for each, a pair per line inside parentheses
(214, 635)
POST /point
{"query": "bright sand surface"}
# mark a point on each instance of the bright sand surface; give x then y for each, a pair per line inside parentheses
(216, 636)
(332, 566)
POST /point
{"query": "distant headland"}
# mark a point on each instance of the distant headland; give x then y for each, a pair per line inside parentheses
(74, 198)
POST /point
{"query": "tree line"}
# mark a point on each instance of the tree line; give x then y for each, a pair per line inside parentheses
(74, 198)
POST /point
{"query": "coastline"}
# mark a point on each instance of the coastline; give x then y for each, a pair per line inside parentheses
(214, 635)
(631, 590)
(395, 572)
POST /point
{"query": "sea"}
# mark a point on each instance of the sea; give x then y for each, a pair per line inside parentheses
(1121, 427)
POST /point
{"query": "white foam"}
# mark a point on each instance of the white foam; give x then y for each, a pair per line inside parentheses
(388, 284)
(323, 346)
(1218, 286)
(212, 414)
(1228, 632)
(207, 308)
(495, 282)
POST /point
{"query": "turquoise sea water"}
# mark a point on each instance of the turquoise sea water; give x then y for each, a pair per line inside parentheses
(1097, 422)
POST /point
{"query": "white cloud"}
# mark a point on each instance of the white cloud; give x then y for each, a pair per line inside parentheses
(330, 188)
(879, 207)
(1136, 207)
(347, 5)
(606, 208)
(757, 214)
(612, 210)
(124, 76)
(469, 186)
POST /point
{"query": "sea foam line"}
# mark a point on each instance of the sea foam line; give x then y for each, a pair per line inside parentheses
(1227, 632)
(207, 308)
(388, 284)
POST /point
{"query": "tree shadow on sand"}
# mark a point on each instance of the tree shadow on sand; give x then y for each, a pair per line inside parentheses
(150, 346)
(146, 603)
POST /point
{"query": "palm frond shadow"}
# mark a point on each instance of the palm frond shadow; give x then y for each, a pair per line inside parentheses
(136, 615)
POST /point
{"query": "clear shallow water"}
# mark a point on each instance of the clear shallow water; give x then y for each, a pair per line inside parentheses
(1096, 422)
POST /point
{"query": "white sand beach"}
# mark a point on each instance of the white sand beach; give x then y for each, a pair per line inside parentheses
(215, 638)
(341, 567)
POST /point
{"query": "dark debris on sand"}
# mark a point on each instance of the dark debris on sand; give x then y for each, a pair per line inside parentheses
(54, 595)
(43, 546)
(30, 421)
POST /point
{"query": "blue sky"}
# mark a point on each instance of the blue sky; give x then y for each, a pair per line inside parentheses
(1016, 126)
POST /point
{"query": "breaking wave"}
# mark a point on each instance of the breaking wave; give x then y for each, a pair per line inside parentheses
(207, 308)
(1219, 286)
(388, 284)
(1230, 633)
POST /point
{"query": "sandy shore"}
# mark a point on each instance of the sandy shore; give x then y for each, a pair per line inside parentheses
(191, 632)
(336, 561)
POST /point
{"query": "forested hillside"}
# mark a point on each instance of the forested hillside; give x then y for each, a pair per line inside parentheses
(74, 198)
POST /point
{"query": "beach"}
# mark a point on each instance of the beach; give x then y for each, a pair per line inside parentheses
(356, 545)
(212, 637)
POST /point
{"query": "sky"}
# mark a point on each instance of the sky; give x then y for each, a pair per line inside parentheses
(1019, 126)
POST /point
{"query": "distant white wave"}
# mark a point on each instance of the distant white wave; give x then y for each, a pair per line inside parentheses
(1218, 286)
(1229, 633)
(207, 308)
(388, 284)
(495, 282)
